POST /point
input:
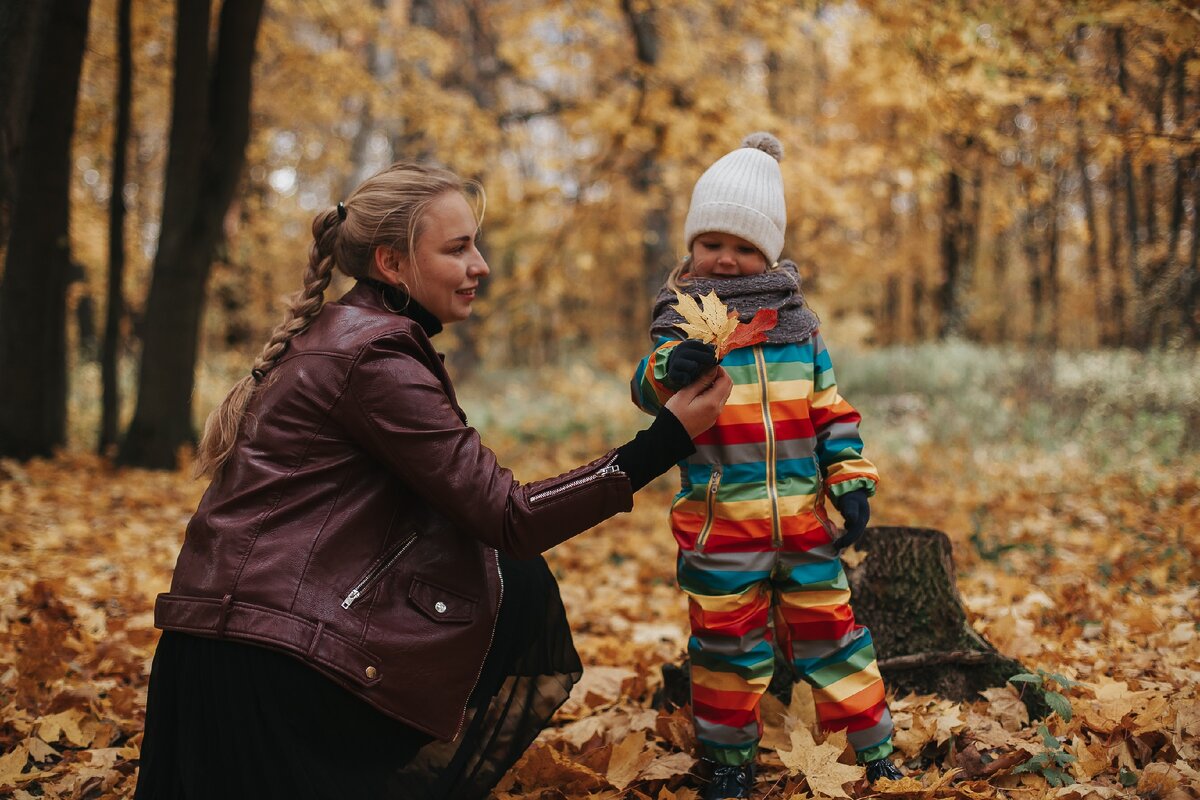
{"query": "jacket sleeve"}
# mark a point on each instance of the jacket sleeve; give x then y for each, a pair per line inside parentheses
(839, 445)
(398, 410)
(647, 388)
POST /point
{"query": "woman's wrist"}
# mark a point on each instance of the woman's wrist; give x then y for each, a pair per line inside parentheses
(655, 450)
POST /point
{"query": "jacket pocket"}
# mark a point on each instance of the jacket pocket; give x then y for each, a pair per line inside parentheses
(710, 507)
(377, 571)
(819, 505)
(441, 604)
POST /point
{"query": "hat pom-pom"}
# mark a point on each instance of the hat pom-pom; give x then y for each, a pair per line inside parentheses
(765, 142)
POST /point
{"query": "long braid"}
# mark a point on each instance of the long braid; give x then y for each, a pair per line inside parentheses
(306, 303)
(221, 427)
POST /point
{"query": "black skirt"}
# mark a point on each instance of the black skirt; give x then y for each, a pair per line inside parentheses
(234, 720)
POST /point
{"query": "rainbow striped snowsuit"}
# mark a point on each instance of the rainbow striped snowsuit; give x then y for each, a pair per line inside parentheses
(755, 542)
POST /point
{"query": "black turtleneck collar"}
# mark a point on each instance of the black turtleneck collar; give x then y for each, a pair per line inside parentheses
(397, 299)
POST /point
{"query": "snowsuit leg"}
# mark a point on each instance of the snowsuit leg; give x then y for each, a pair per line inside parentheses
(816, 630)
(730, 650)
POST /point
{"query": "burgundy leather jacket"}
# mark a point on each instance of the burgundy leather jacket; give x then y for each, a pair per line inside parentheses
(356, 524)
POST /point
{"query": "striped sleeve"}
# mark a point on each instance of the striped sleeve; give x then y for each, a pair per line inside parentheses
(839, 445)
(647, 388)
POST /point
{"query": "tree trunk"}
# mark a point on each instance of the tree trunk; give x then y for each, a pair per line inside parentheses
(1173, 283)
(905, 593)
(33, 336)
(210, 125)
(950, 294)
(1092, 246)
(1150, 169)
(972, 232)
(919, 310)
(1037, 294)
(1158, 278)
(1052, 263)
(889, 323)
(657, 252)
(110, 411)
(1116, 323)
(22, 32)
(1192, 292)
(1133, 232)
(1179, 168)
(1000, 273)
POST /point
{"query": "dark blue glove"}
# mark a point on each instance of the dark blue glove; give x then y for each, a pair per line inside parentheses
(856, 510)
(689, 360)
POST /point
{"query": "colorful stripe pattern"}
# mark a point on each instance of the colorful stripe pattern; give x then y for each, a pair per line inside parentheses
(756, 557)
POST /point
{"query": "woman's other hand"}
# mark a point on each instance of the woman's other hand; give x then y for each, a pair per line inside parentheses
(697, 405)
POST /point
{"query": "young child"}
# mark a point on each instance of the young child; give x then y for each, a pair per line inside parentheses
(756, 545)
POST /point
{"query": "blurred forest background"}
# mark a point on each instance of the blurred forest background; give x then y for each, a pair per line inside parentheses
(1019, 175)
(996, 210)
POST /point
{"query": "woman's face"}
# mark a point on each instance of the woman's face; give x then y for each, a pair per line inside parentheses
(723, 255)
(449, 265)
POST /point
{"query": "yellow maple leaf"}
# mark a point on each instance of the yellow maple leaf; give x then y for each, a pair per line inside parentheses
(629, 757)
(819, 763)
(708, 320)
(711, 322)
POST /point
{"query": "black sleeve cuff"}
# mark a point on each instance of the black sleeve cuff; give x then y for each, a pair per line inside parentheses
(654, 450)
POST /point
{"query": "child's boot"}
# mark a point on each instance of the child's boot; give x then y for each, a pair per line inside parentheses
(882, 768)
(729, 781)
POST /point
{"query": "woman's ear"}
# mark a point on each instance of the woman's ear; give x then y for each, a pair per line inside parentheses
(389, 265)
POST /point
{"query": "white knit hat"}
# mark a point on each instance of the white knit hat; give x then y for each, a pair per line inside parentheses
(742, 194)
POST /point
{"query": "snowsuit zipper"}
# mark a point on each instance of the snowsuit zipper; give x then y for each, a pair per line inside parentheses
(710, 506)
(772, 490)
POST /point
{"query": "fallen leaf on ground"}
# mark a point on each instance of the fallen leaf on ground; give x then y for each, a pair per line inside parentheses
(819, 763)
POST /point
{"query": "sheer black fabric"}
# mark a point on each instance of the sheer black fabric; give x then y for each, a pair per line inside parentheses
(234, 720)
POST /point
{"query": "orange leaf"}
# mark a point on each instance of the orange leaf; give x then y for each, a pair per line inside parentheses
(751, 332)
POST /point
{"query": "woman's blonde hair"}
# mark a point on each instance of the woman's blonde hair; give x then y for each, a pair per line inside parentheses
(384, 210)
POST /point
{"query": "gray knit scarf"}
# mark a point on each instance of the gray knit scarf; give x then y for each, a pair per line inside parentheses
(778, 289)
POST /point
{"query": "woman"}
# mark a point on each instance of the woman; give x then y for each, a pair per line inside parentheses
(359, 607)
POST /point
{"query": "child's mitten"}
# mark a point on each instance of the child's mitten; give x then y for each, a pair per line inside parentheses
(689, 360)
(856, 510)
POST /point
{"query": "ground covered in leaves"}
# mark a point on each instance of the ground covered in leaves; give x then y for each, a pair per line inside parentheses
(1091, 580)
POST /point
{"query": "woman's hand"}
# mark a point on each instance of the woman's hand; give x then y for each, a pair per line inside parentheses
(697, 405)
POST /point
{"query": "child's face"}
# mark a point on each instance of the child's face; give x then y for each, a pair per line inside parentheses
(723, 255)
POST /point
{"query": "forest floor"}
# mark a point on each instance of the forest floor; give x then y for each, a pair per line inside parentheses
(1086, 572)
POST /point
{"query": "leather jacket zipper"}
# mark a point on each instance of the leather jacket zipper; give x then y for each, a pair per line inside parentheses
(611, 468)
(491, 639)
(710, 508)
(377, 572)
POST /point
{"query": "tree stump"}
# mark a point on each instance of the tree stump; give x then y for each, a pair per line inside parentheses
(905, 592)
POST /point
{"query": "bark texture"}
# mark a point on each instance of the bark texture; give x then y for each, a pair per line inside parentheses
(37, 271)
(905, 592)
(210, 125)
